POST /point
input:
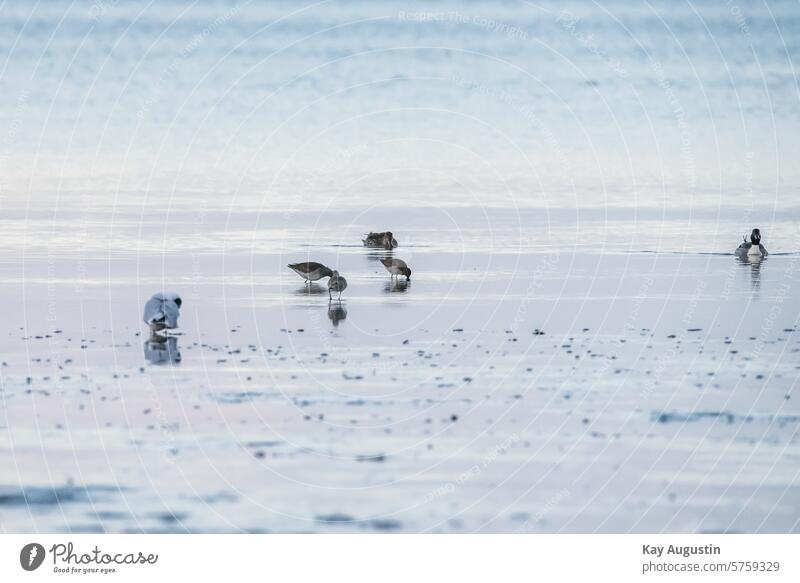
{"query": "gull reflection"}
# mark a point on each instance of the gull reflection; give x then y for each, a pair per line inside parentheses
(162, 350)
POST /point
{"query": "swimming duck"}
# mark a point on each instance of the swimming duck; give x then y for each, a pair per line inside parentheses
(385, 240)
(336, 283)
(397, 267)
(753, 248)
(161, 312)
(310, 271)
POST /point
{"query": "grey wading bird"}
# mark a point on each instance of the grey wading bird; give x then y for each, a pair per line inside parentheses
(397, 267)
(336, 283)
(310, 271)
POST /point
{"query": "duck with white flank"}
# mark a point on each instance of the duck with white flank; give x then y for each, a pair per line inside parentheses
(752, 249)
(397, 267)
(384, 240)
(336, 283)
(161, 312)
(310, 271)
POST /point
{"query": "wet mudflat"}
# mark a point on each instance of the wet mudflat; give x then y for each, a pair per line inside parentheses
(505, 388)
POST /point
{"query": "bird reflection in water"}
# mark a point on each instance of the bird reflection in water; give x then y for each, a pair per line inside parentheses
(396, 286)
(311, 289)
(162, 350)
(753, 263)
(336, 312)
(378, 254)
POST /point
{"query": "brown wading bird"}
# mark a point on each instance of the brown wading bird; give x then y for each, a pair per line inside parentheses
(385, 240)
(336, 283)
(397, 267)
(310, 271)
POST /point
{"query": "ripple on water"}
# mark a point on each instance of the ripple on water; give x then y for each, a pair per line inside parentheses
(238, 397)
(55, 495)
(724, 416)
(334, 518)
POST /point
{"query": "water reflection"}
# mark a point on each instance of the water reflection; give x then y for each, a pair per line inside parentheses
(396, 286)
(162, 350)
(311, 289)
(336, 312)
(753, 263)
(378, 254)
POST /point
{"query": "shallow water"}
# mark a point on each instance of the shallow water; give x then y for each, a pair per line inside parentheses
(344, 102)
(511, 386)
(577, 349)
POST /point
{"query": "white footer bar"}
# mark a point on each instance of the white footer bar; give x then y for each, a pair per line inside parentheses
(401, 558)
